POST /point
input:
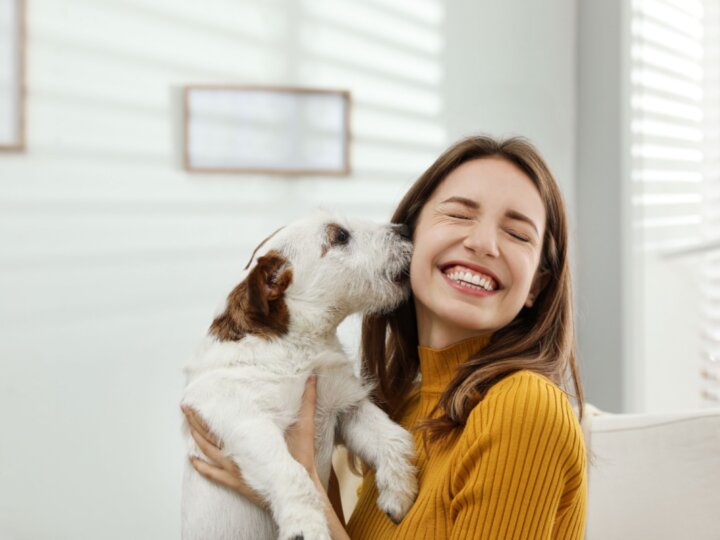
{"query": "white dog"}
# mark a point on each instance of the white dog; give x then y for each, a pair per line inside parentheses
(247, 381)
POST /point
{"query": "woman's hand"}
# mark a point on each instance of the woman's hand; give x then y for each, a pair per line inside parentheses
(221, 469)
(300, 437)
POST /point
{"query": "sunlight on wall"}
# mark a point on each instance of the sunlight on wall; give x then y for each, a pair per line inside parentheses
(114, 258)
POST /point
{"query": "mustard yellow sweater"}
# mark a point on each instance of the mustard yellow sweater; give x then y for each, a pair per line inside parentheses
(516, 471)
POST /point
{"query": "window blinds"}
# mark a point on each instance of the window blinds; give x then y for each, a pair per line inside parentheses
(675, 153)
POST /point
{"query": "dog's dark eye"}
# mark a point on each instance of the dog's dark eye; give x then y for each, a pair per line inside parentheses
(342, 236)
(337, 235)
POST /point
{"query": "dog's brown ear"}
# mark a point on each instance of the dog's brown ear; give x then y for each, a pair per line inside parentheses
(267, 282)
(255, 305)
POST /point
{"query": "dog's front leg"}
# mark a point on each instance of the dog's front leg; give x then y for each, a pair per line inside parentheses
(259, 449)
(389, 449)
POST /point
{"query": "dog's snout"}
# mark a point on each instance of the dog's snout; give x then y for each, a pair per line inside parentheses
(403, 230)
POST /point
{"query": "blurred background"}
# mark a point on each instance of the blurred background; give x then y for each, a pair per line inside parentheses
(114, 257)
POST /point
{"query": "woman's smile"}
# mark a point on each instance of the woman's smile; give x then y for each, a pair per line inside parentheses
(471, 274)
(463, 282)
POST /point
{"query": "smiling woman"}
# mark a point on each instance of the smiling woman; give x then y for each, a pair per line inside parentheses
(476, 362)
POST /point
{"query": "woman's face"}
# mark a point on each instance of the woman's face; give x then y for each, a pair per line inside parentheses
(486, 217)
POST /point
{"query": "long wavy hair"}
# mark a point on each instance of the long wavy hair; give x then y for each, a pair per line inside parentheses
(540, 338)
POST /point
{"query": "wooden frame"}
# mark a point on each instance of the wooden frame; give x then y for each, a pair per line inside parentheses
(284, 140)
(12, 67)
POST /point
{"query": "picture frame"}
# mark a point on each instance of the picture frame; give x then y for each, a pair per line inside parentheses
(12, 75)
(281, 130)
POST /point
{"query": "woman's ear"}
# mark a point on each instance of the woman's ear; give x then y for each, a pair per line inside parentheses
(541, 279)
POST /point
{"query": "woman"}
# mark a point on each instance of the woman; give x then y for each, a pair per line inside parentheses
(474, 362)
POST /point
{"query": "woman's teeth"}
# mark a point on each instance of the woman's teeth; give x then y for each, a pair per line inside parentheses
(471, 280)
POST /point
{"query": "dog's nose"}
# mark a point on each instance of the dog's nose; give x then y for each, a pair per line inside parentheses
(403, 230)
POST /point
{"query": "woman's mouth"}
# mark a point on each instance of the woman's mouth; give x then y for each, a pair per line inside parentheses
(469, 281)
(468, 276)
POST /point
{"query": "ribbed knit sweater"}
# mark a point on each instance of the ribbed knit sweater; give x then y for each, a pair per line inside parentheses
(517, 470)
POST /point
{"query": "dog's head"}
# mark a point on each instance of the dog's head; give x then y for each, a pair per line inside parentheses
(315, 272)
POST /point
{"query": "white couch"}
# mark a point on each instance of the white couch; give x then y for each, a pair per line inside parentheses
(653, 476)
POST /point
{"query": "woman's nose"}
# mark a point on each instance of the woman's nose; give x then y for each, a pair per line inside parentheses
(482, 239)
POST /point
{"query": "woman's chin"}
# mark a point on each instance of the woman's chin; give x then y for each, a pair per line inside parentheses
(468, 322)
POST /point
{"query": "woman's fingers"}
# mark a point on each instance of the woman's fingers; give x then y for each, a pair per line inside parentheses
(220, 468)
(208, 443)
(200, 426)
(232, 479)
(210, 450)
(218, 474)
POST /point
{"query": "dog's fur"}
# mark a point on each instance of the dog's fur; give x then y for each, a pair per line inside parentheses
(247, 380)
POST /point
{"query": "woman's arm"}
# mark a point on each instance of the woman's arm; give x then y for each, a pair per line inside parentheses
(335, 522)
(301, 444)
(334, 495)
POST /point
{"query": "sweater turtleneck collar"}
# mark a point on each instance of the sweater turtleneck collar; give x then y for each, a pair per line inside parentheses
(439, 366)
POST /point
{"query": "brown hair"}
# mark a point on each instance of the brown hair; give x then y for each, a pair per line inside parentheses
(540, 338)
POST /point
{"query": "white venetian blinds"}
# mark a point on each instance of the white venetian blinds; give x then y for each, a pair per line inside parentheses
(667, 118)
(675, 157)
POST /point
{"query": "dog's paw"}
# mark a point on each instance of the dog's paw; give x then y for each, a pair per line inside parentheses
(397, 487)
(396, 477)
(303, 535)
(398, 496)
(395, 504)
(308, 528)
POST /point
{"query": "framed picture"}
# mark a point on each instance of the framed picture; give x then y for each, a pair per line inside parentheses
(12, 75)
(266, 130)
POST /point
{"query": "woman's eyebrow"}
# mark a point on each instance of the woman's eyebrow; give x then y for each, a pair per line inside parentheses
(474, 205)
(462, 200)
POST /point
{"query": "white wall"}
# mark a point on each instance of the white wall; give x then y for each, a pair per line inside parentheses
(114, 259)
(511, 70)
(605, 318)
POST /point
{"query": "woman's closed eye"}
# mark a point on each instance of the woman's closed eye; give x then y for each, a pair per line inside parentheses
(518, 236)
(459, 216)
(463, 217)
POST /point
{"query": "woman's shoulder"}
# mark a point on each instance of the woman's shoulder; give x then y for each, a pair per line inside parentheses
(529, 387)
(525, 404)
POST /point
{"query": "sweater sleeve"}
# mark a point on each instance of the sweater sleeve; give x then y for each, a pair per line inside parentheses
(521, 471)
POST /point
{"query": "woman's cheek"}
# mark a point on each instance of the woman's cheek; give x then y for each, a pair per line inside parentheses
(416, 280)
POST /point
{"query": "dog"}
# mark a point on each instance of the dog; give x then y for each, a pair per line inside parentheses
(247, 380)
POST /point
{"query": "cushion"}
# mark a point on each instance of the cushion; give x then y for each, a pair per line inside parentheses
(653, 475)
